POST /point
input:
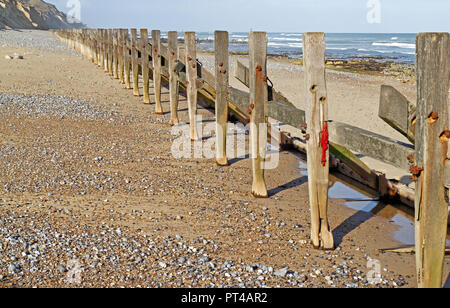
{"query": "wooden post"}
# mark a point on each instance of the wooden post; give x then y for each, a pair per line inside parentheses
(432, 136)
(110, 52)
(102, 45)
(222, 82)
(156, 59)
(126, 56)
(134, 61)
(173, 77)
(258, 104)
(91, 45)
(99, 47)
(145, 62)
(105, 50)
(94, 45)
(316, 116)
(191, 83)
(116, 53)
(121, 57)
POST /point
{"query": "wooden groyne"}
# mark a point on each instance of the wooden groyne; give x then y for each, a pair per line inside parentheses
(328, 144)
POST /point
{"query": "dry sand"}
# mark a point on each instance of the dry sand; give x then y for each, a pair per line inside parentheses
(109, 169)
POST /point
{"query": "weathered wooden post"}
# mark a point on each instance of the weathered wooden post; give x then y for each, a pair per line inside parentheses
(94, 45)
(432, 137)
(105, 50)
(317, 145)
(134, 62)
(99, 47)
(191, 83)
(110, 52)
(173, 76)
(100, 38)
(91, 45)
(258, 109)
(222, 82)
(116, 54)
(126, 56)
(82, 46)
(145, 62)
(121, 57)
(157, 69)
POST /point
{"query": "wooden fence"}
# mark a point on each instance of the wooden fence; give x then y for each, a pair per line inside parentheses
(328, 144)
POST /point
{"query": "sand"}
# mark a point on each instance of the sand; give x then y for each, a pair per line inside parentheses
(115, 167)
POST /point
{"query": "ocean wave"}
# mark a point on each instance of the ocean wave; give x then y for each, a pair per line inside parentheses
(291, 34)
(338, 48)
(281, 45)
(286, 39)
(398, 45)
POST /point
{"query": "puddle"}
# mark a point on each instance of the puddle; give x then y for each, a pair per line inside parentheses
(359, 200)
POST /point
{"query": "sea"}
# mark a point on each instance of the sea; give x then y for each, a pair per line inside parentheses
(392, 47)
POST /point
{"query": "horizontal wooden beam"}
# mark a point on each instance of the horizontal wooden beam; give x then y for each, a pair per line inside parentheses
(397, 111)
(355, 139)
(241, 73)
(371, 144)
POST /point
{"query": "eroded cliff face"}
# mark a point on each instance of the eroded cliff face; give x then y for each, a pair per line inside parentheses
(32, 14)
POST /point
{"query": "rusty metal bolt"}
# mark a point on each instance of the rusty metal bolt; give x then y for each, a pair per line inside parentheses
(265, 79)
(307, 136)
(252, 106)
(445, 136)
(187, 82)
(433, 117)
(304, 126)
(189, 59)
(410, 158)
(172, 53)
(220, 64)
(223, 71)
(415, 170)
(259, 68)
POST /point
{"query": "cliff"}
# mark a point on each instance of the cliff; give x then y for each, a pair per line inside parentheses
(32, 14)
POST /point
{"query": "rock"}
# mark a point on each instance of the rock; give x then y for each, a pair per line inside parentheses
(281, 272)
(18, 57)
(162, 265)
(62, 269)
(204, 259)
(12, 269)
(8, 57)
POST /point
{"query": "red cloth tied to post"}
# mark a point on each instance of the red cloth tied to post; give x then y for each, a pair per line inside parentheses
(324, 135)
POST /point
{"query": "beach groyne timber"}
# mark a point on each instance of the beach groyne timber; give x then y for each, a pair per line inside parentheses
(108, 49)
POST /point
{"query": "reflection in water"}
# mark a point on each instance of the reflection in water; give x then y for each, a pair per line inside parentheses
(359, 200)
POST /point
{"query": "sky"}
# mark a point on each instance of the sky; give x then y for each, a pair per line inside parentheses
(332, 16)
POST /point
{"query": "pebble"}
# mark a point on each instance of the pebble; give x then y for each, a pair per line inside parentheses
(281, 272)
(63, 227)
(62, 269)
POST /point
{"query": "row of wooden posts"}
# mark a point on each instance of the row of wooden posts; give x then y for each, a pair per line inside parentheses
(126, 58)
